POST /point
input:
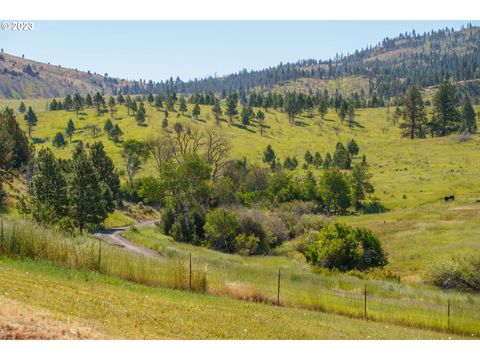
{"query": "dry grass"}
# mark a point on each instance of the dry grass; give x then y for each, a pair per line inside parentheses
(22, 322)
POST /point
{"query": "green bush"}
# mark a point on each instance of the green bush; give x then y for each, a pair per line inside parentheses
(460, 273)
(345, 248)
(221, 228)
(248, 244)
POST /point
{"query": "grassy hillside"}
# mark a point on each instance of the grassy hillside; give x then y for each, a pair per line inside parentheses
(25, 78)
(122, 310)
(406, 173)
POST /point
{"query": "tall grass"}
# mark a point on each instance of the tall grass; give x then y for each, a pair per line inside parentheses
(22, 239)
(255, 278)
(247, 278)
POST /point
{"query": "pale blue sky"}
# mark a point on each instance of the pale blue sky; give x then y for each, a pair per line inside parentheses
(157, 50)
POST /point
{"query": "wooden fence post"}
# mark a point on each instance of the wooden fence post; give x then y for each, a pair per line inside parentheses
(99, 253)
(365, 302)
(190, 281)
(278, 288)
(448, 313)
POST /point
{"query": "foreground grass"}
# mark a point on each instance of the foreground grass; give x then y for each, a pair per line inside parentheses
(255, 278)
(127, 311)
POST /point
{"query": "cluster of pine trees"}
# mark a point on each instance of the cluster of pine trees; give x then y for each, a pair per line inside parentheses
(77, 192)
(447, 115)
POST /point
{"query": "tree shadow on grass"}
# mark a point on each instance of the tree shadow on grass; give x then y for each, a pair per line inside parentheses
(36, 140)
(301, 123)
(244, 128)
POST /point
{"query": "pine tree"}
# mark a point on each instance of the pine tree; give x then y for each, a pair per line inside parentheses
(108, 127)
(140, 114)
(327, 162)
(88, 101)
(150, 99)
(87, 205)
(269, 156)
(261, 120)
(158, 102)
(48, 189)
(22, 108)
(322, 107)
(116, 133)
(360, 181)
(111, 105)
(317, 160)
(353, 148)
(31, 120)
(98, 100)
(446, 119)
(70, 130)
(246, 115)
(308, 157)
(341, 157)
(217, 111)
(231, 107)
(182, 105)
(414, 116)
(58, 140)
(105, 169)
(470, 123)
(196, 111)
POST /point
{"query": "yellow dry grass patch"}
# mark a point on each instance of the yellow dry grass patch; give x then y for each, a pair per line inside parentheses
(23, 322)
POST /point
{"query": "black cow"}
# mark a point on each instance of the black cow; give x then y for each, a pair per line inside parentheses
(449, 197)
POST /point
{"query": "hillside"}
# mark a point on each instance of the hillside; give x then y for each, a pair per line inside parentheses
(23, 78)
(386, 69)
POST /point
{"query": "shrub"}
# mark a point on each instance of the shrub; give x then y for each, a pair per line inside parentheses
(308, 222)
(221, 227)
(248, 244)
(344, 248)
(267, 227)
(459, 273)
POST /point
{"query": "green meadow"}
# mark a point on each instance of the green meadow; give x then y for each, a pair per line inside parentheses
(417, 230)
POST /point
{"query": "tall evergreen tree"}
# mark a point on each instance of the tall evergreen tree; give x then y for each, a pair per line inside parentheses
(231, 107)
(414, 116)
(87, 204)
(470, 123)
(48, 189)
(261, 120)
(105, 169)
(31, 120)
(22, 108)
(70, 130)
(196, 111)
(446, 118)
(217, 111)
(182, 105)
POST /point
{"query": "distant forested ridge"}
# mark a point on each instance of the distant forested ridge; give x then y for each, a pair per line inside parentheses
(385, 70)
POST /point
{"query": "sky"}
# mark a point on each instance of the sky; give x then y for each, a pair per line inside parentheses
(156, 50)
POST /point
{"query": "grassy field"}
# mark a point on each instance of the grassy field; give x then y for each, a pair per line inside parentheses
(255, 278)
(410, 178)
(123, 310)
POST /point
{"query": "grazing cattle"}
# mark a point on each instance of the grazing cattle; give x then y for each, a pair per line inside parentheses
(449, 197)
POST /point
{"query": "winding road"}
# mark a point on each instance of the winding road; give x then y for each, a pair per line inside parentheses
(114, 237)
